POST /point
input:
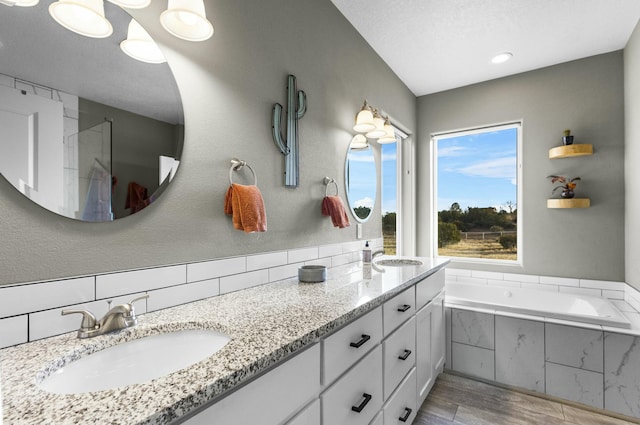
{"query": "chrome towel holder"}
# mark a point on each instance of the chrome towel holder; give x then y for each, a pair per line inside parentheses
(327, 182)
(236, 165)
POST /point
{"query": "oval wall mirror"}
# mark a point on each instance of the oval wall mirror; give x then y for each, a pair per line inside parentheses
(361, 179)
(87, 131)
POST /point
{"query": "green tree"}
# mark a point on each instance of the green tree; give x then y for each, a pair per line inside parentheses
(448, 233)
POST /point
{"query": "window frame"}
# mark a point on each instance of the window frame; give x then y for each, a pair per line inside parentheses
(518, 125)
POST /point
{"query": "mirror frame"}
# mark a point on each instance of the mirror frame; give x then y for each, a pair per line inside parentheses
(374, 181)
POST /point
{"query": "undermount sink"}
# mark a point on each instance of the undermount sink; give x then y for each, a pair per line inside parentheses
(397, 262)
(135, 362)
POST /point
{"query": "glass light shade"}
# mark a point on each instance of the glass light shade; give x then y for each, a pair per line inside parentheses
(358, 142)
(502, 57)
(139, 45)
(364, 120)
(389, 133)
(131, 4)
(85, 17)
(186, 19)
(26, 3)
(379, 123)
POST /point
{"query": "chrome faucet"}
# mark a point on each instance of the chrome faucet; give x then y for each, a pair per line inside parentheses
(376, 253)
(119, 317)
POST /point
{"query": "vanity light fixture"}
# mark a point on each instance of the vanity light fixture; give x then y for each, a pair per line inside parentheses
(502, 57)
(22, 3)
(186, 19)
(389, 133)
(131, 4)
(359, 142)
(139, 45)
(364, 119)
(379, 123)
(84, 17)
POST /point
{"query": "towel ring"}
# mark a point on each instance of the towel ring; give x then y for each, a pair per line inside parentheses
(327, 182)
(236, 165)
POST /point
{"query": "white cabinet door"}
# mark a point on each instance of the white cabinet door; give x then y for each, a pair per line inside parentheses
(270, 399)
(429, 288)
(399, 355)
(424, 363)
(438, 337)
(310, 415)
(345, 347)
(357, 396)
(402, 406)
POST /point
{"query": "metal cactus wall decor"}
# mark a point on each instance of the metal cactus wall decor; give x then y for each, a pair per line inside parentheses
(296, 108)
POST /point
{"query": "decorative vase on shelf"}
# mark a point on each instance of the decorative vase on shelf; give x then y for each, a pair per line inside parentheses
(567, 194)
(567, 139)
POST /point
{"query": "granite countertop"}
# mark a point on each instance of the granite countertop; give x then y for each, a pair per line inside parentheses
(266, 325)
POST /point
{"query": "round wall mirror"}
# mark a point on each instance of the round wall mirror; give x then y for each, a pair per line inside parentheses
(87, 131)
(361, 179)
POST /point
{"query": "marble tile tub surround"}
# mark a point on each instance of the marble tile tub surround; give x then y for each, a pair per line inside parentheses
(31, 311)
(266, 323)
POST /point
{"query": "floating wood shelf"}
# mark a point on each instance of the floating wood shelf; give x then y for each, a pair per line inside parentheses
(569, 203)
(570, 150)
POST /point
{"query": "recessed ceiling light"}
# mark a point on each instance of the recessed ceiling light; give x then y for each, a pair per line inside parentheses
(502, 57)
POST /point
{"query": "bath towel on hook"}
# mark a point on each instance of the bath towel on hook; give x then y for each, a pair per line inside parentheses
(244, 203)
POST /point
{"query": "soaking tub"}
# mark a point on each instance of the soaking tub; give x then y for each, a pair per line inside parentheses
(558, 305)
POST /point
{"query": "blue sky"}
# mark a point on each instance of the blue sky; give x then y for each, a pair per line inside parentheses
(389, 191)
(477, 170)
(362, 178)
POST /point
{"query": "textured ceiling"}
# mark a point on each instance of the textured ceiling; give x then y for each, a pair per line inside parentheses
(436, 45)
(34, 48)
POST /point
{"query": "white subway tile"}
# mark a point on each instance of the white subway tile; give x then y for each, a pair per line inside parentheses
(560, 281)
(540, 287)
(44, 324)
(182, 294)
(303, 254)
(243, 281)
(339, 260)
(21, 299)
(623, 306)
(329, 250)
(581, 291)
(602, 284)
(457, 272)
(632, 302)
(319, 262)
(5, 80)
(210, 269)
(13, 330)
(264, 261)
(356, 256)
(352, 246)
(487, 275)
(473, 280)
(283, 272)
(504, 283)
(613, 295)
(115, 284)
(529, 278)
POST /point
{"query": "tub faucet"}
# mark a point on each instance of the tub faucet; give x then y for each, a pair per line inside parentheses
(119, 317)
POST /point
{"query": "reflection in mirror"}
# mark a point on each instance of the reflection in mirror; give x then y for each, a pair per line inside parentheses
(87, 131)
(361, 179)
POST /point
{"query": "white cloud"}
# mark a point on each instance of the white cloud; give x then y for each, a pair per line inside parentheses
(450, 151)
(501, 168)
(364, 202)
(389, 157)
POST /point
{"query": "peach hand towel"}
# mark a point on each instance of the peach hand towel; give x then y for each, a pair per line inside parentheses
(333, 206)
(246, 206)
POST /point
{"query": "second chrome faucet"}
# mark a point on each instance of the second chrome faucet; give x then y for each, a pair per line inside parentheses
(119, 317)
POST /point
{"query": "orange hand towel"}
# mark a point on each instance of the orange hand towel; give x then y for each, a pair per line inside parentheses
(246, 206)
(333, 206)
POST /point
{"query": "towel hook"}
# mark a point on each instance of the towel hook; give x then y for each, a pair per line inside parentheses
(327, 182)
(236, 165)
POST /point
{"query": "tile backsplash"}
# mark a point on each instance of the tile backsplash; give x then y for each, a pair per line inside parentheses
(31, 311)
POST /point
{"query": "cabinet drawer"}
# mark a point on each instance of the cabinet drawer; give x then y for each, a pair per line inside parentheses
(360, 388)
(271, 398)
(399, 355)
(429, 288)
(398, 309)
(345, 347)
(378, 420)
(310, 415)
(401, 407)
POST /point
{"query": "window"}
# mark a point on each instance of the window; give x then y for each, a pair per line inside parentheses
(391, 154)
(477, 193)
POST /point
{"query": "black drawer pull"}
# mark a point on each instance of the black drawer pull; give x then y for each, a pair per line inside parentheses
(407, 413)
(359, 343)
(406, 355)
(367, 399)
(404, 308)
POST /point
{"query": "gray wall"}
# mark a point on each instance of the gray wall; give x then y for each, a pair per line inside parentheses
(632, 156)
(587, 97)
(228, 86)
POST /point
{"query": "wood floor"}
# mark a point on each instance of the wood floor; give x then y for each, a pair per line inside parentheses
(455, 400)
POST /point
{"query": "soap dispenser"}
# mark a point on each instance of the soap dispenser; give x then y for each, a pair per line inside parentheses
(366, 253)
